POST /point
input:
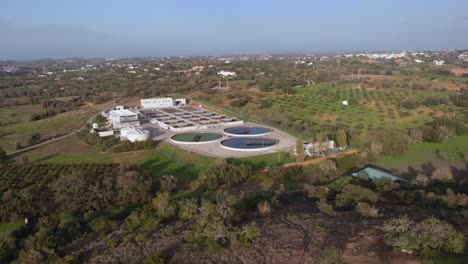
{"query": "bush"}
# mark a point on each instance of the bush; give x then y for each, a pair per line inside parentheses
(442, 175)
(328, 167)
(316, 192)
(7, 248)
(3, 155)
(325, 208)
(264, 208)
(102, 225)
(168, 183)
(249, 233)
(162, 205)
(394, 142)
(367, 210)
(188, 209)
(157, 259)
(330, 255)
(352, 194)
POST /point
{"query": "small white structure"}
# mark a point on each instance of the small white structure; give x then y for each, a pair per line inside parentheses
(180, 101)
(438, 62)
(226, 73)
(310, 147)
(345, 102)
(103, 131)
(123, 118)
(134, 134)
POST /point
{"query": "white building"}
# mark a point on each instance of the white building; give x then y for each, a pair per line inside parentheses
(133, 134)
(103, 131)
(226, 73)
(123, 118)
(438, 62)
(161, 102)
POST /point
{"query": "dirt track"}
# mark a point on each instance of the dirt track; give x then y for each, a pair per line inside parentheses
(318, 160)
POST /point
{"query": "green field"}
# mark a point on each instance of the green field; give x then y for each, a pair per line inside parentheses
(320, 106)
(18, 114)
(456, 149)
(57, 125)
(70, 157)
(10, 227)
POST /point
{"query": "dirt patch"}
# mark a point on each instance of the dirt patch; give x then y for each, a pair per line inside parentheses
(447, 85)
(378, 78)
(371, 88)
(372, 104)
(370, 61)
(458, 71)
(317, 161)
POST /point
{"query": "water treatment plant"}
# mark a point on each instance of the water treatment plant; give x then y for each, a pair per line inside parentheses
(197, 129)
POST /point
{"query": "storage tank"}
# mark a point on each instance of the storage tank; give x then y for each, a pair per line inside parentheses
(137, 135)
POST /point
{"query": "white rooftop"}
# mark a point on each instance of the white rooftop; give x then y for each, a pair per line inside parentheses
(124, 112)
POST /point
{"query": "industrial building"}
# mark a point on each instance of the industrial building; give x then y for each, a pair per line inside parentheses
(123, 118)
(161, 102)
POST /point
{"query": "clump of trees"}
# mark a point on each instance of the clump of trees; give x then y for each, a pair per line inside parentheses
(54, 107)
(3, 155)
(426, 237)
(242, 101)
(223, 172)
(93, 139)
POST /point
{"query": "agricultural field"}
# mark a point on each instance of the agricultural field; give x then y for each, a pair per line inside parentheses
(18, 127)
(315, 107)
(454, 151)
(10, 115)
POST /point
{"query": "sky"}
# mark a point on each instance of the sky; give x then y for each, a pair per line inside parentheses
(31, 29)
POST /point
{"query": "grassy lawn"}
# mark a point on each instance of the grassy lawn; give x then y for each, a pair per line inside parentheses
(10, 227)
(70, 157)
(57, 125)
(60, 124)
(267, 160)
(18, 113)
(456, 149)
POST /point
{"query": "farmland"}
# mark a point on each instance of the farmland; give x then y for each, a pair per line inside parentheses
(314, 107)
(92, 199)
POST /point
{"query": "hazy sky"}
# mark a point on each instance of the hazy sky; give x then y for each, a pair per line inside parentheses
(119, 28)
